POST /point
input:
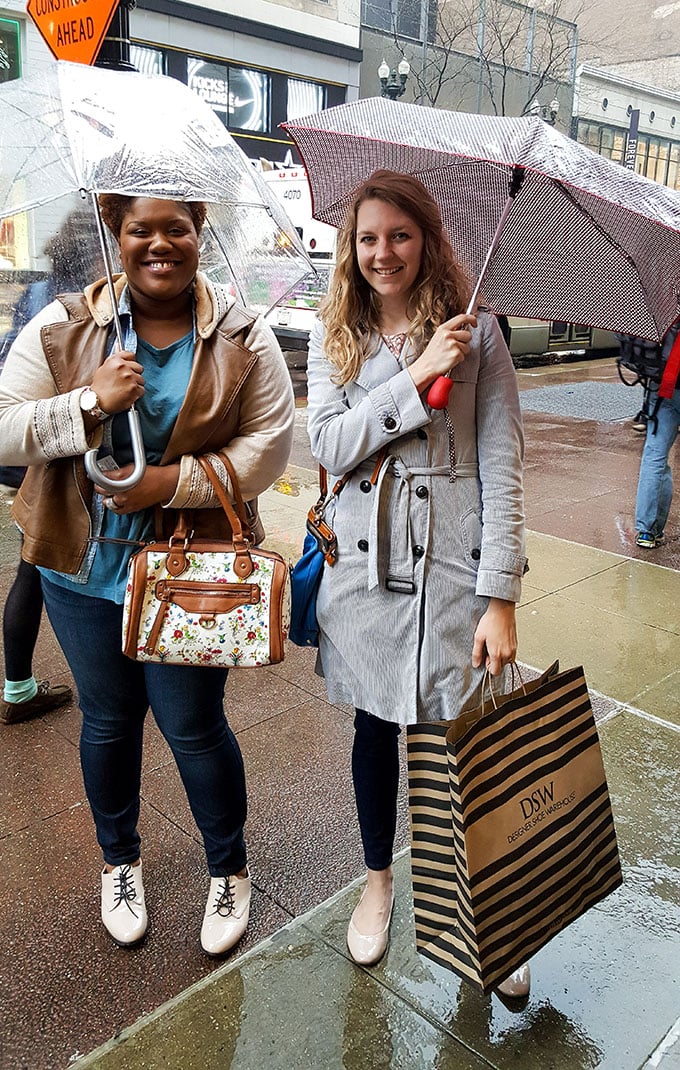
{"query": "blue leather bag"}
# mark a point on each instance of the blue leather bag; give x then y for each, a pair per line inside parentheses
(320, 546)
(304, 584)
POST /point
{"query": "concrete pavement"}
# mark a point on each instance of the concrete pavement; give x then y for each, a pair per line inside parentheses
(606, 991)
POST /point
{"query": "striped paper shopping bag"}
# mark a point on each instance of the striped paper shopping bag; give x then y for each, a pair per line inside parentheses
(512, 834)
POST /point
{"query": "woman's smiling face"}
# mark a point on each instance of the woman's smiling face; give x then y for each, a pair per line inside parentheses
(158, 248)
(389, 249)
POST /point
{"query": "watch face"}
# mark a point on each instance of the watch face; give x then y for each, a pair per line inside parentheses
(88, 400)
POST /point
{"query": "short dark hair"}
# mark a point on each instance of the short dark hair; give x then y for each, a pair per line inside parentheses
(114, 206)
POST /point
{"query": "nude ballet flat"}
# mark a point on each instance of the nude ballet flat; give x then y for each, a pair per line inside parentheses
(367, 950)
(517, 985)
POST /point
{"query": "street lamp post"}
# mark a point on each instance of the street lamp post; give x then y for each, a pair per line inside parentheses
(546, 112)
(389, 85)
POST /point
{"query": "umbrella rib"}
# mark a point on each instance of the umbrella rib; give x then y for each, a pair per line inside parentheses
(612, 242)
(225, 254)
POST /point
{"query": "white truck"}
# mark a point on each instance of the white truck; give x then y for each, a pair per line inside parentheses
(292, 318)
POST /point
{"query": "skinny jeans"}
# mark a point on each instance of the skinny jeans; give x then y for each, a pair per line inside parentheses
(375, 772)
(187, 703)
(655, 482)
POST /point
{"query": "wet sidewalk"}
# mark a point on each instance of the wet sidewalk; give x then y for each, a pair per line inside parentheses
(606, 992)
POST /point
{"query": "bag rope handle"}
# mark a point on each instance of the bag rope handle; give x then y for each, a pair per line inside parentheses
(243, 563)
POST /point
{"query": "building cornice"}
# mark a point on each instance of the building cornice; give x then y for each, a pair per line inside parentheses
(612, 77)
(222, 20)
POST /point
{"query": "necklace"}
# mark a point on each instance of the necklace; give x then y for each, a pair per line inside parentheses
(395, 343)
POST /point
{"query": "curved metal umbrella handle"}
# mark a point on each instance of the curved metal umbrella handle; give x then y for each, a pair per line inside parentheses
(97, 475)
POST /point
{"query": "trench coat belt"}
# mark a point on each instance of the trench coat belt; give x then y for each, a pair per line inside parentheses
(390, 550)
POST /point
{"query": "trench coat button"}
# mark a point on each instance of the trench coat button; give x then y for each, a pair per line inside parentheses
(475, 554)
(418, 551)
(422, 492)
(422, 435)
(389, 423)
(363, 545)
(365, 485)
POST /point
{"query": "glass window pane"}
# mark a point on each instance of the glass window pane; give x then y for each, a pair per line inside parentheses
(408, 18)
(210, 81)
(619, 147)
(248, 99)
(304, 98)
(606, 141)
(652, 159)
(377, 14)
(10, 51)
(641, 155)
(147, 60)
(674, 167)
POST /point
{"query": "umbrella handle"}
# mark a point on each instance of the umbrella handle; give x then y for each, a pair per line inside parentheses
(98, 476)
(438, 394)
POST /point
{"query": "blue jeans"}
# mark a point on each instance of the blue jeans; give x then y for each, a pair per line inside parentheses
(375, 771)
(655, 483)
(187, 703)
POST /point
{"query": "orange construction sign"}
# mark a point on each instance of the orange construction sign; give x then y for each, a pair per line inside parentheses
(73, 29)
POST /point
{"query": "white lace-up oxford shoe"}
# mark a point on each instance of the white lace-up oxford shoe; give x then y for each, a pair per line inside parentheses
(123, 906)
(226, 914)
(517, 985)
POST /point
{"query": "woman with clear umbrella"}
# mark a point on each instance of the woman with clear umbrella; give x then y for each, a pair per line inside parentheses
(430, 535)
(207, 378)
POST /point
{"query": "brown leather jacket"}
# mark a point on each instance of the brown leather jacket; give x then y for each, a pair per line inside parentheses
(52, 507)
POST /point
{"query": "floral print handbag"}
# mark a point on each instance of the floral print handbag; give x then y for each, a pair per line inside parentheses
(207, 602)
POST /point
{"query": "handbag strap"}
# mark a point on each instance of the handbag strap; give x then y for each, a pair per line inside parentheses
(323, 482)
(243, 563)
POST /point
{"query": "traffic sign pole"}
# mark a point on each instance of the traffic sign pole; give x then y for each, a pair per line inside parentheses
(115, 50)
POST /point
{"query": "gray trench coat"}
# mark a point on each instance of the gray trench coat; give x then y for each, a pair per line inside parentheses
(418, 556)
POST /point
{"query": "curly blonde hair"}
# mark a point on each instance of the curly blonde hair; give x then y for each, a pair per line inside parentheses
(351, 311)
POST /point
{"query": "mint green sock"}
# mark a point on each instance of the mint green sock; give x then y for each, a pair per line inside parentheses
(20, 690)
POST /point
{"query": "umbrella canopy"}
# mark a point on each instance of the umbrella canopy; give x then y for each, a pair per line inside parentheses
(77, 128)
(586, 241)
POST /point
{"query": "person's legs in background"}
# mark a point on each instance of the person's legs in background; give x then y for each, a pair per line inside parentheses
(23, 696)
(655, 483)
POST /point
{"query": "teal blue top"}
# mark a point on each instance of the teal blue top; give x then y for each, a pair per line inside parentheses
(166, 377)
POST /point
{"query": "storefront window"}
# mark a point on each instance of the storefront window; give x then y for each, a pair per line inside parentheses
(674, 167)
(589, 134)
(641, 155)
(10, 50)
(248, 99)
(606, 141)
(238, 95)
(304, 98)
(619, 147)
(147, 60)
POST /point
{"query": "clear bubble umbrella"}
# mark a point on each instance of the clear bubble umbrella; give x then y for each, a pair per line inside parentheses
(75, 130)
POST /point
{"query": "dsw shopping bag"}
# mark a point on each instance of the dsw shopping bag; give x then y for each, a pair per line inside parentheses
(512, 835)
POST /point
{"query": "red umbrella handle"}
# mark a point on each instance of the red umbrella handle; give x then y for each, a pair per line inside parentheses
(438, 394)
